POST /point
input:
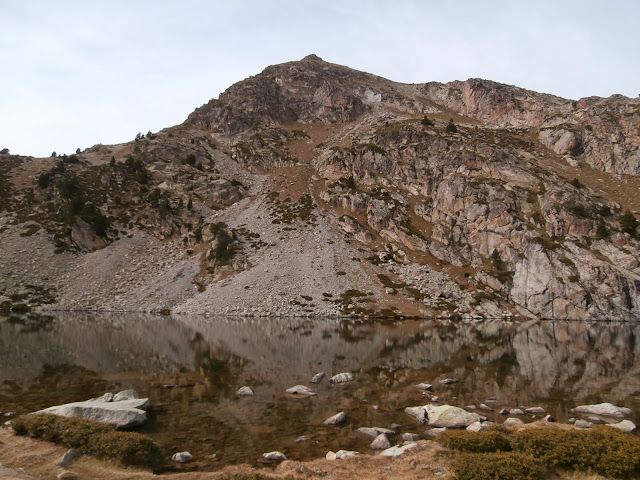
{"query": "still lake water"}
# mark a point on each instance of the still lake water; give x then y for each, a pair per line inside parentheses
(62, 358)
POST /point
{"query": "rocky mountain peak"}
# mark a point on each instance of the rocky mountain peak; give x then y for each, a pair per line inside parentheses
(312, 188)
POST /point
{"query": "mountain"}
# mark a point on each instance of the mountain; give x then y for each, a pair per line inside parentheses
(315, 189)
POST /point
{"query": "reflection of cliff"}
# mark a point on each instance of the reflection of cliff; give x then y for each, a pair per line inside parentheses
(583, 358)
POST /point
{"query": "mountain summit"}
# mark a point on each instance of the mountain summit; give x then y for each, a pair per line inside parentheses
(315, 189)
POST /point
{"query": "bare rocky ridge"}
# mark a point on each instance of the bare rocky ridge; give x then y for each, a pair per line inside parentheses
(314, 189)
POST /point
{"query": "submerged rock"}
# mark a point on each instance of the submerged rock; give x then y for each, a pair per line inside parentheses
(125, 395)
(516, 411)
(536, 410)
(301, 438)
(605, 409)
(342, 378)
(335, 419)
(410, 437)
(448, 381)
(583, 424)
(301, 390)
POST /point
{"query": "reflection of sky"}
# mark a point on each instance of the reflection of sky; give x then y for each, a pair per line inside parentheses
(579, 357)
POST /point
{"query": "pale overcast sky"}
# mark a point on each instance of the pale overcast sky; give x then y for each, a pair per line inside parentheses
(77, 73)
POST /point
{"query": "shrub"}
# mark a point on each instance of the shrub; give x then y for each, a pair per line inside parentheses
(628, 223)
(496, 466)
(451, 127)
(426, 121)
(603, 449)
(91, 438)
(475, 442)
(576, 183)
(348, 182)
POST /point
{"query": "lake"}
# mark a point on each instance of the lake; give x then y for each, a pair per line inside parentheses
(191, 367)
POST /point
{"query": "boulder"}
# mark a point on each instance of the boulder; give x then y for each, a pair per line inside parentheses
(125, 395)
(317, 378)
(476, 427)
(301, 438)
(450, 417)
(373, 432)
(274, 456)
(343, 454)
(516, 411)
(397, 450)
(583, 424)
(182, 457)
(302, 391)
(244, 391)
(624, 425)
(122, 414)
(434, 432)
(605, 409)
(69, 457)
(448, 381)
(512, 422)
(419, 413)
(482, 406)
(536, 410)
(66, 476)
(381, 442)
(410, 437)
(549, 418)
(342, 378)
(335, 419)
(424, 386)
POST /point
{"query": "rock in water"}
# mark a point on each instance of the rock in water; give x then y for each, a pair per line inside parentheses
(450, 417)
(419, 413)
(335, 419)
(244, 391)
(301, 390)
(182, 457)
(424, 386)
(410, 437)
(512, 422)
(604, 409)
(536, 410)
(274, 456)
(516, 411)
(125, 395)
(317, 378)
(342, 378)
(381, 442)
(122, 414)
(583, 424)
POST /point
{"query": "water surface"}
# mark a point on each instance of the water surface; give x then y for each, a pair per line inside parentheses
(190, 368)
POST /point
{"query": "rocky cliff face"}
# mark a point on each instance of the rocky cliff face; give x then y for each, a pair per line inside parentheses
(312, 188)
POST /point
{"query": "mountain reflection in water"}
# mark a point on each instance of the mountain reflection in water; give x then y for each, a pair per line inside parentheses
(555, 364)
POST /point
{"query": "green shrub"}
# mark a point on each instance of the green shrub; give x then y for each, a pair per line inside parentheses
(628, 223)
(603, 449)
(426, 121)
(475, 442)
(451, 127)
(91, 438)
(496, 466)
(576, 183)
